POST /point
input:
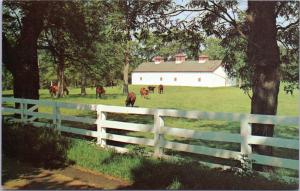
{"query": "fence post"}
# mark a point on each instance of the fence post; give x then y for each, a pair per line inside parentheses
(158, 134)
(25, 116)
(245, 130)
(22, 111)
(101, 116)
(58, 116)
(55, 112)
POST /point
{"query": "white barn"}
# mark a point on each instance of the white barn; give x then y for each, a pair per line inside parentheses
(201, 73)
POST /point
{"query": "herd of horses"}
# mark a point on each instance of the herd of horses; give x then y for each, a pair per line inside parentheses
(131, 97)
(145, 91)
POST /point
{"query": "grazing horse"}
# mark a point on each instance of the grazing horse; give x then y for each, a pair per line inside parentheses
(53, 89)
(99, 91)
(130, 99)
(151, 89)
(144, 92)
(160, 89)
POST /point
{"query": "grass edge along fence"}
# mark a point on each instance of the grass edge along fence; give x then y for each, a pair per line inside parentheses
(245, 139)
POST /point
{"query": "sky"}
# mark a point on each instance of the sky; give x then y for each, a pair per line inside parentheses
(243, 5)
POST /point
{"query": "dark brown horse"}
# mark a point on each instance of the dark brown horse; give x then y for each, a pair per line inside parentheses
(151, 89)
(160, 89)
(130, 100)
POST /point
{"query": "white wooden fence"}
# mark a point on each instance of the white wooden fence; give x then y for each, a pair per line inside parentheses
(245, 139)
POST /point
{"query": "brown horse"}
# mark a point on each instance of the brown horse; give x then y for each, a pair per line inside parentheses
(144, 92)
(53, 89)
(130, 100)
(99, 91)
(160, 89)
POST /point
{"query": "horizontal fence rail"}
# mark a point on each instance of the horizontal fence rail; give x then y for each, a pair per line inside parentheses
(159, 130)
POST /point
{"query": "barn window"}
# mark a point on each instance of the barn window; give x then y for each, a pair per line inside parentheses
(175, 79)
(141, 78)
(161, 78)
(199, 79)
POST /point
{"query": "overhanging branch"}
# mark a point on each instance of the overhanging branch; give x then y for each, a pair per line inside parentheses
(288, 26)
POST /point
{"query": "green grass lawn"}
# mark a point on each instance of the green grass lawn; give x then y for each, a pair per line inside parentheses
(227, 99)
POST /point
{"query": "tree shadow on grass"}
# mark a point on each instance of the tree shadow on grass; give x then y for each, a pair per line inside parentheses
(163, 174)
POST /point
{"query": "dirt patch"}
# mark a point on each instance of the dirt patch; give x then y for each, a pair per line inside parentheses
(71, 177)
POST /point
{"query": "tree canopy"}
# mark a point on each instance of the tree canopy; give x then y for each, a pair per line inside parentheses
(100, 42)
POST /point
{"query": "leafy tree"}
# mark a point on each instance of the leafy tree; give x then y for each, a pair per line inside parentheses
(213, 49)
(70, 36)
(47, 68)
(256, 33)
(61, 38)
(155, 45)
(288, 38)
(132, 17)
(189, 40)
(22, 25)
(169, 44)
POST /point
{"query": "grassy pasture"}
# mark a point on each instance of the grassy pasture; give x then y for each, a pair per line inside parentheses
(225, 99)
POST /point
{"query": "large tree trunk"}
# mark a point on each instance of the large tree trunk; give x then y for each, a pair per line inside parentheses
(25, 68)
(263, 56)
(60, 63)
(24, 65)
